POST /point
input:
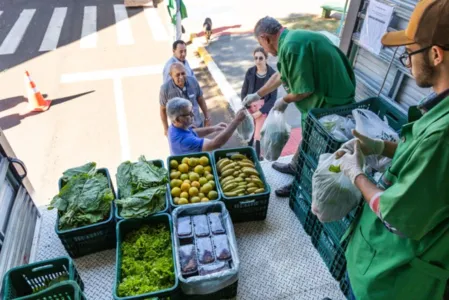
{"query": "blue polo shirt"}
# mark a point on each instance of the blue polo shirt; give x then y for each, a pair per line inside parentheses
(183, 141)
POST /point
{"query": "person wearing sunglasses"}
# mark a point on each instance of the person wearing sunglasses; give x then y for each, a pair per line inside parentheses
(255, 78)
(184, 139)
(314, 72)
(399, 248)
(187, 87)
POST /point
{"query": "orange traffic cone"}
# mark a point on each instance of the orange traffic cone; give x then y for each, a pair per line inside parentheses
(35, 100)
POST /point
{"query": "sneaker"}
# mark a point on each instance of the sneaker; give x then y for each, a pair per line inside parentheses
(284, 168)
(284, 191)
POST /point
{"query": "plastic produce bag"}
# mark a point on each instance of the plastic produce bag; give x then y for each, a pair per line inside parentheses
(369, 124)
(274, 135)
(246, 129)
(215, 275)
(338, 126)
(333, 194)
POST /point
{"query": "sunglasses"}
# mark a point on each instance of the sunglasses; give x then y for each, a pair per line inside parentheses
(259, 58)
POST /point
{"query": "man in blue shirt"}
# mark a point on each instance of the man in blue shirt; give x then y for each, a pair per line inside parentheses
(184, 139)
(179, 55)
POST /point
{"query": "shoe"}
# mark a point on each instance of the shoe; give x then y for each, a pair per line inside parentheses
(284, 191)
(258, 150)
(284, 168)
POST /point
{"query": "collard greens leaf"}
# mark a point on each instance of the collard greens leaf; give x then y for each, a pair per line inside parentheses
(85, 199)
(88, 168)
(144, 203)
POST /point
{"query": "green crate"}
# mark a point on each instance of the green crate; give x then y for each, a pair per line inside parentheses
(67, 290)
(23, 280)
(249, 207)
(158, 163)
(92, 238)
(300, 203)
(316, 139)
(304, 172)
(345, 286)
(179, 158)
(125, 226)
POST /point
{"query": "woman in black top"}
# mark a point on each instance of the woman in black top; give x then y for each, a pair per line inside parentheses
(255, 78)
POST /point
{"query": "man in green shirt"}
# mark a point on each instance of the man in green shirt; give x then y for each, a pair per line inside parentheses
(399, 248)
(314, 72)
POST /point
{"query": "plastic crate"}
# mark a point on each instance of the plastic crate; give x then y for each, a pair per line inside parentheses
(92, 238)
(316, 139)
(68, 290)
(304, 172)
(344, 286)
(24, 280)
(339, 228)
(300, 203)
(158, 163)
(125, 226)
(331, 251)
(229, 292)
(249, 207)
(179, 158)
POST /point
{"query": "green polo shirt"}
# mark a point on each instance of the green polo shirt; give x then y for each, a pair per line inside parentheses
(310, 63)
(408, 258)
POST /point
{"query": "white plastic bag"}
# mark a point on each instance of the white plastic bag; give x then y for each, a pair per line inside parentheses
(369, 124)
(274, 135)
(333, 194)
(338, 126)
(246, 129)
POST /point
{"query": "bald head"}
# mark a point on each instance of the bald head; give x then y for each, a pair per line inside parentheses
(178, 73)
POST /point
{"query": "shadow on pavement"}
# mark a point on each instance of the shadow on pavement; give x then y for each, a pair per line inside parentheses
(15, 119)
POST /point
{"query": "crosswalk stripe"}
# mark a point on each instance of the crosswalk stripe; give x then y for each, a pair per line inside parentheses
(89, 30)
(156, 26)
(53, 32)
(16, 33)
(124, 33)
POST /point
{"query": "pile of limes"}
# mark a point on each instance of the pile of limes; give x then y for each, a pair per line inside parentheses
(192, 181)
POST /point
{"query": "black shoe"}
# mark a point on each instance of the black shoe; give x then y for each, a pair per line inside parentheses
(284, 168)
(257, 144)
(284, 191)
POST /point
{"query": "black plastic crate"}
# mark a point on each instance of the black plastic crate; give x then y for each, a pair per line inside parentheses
(28, 279)
(331, 251)
(158, 163)
(316, 139)
(249, 207)
(92, 238)
(300, 203)
(229, 292)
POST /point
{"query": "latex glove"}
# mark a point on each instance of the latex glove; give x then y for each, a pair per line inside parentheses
(280, 105)
(250, 99)
(368, 145)
(351, 164)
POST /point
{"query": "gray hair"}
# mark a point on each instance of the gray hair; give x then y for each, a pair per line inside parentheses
(267, 25)
(176, 106)
(176, 65)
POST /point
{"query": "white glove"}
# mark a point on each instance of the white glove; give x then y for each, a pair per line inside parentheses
(368, 145)
(351, 164)
(280, 105)
(251, 98)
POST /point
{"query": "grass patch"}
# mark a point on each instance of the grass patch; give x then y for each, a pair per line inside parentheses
(310, 22)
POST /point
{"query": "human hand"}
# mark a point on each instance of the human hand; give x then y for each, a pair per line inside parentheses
(280, 105)
(368, 145)
(250, 99)
(240, 115)
(206, 122)
(257, 114)
(351, 164)
(220, 126)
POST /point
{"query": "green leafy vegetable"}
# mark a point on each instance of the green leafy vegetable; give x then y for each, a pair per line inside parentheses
(85, 199)
(147, 261)
(334, 169)
(88, 168)
(142, 188)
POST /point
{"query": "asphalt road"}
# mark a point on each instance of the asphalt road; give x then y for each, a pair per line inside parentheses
(103, 77)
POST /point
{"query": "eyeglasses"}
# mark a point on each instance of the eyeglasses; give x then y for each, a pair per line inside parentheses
(406, 59)
(258, 58)
(190, 114)
(180, 74)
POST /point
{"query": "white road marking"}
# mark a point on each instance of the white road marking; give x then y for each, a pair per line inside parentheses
(156, 26)
(121, 118)
(12, 40)
(1, 12)
(110, 74)
(89, 31)
(53, 32)
(124, 33)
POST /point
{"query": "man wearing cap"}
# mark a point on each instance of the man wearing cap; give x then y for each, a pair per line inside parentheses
(399, 248)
